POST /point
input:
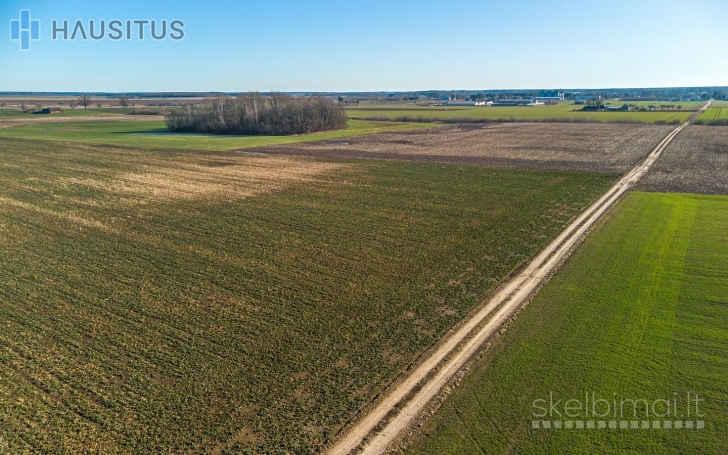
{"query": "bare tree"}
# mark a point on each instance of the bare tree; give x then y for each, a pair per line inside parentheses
(124, 101)
(221, 102)
(85, 101)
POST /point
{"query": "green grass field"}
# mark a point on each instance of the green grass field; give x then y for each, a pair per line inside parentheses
(714, 113)
(172, 301)
(155, 134)
(640, 311)
(562, 111)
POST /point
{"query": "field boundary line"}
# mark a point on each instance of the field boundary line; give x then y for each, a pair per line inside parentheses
(415, 391)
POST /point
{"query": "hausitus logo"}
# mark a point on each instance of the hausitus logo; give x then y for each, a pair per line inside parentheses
(26, 29)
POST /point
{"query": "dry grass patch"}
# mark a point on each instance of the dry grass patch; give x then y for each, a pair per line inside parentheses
(227, 178)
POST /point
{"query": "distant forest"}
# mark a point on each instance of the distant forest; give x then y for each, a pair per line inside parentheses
(257, 114)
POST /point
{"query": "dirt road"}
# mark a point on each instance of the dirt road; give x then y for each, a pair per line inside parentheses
(460, 346)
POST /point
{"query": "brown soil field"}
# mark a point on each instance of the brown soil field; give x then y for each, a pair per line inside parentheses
(695, 162)
(12, 122)
(588, 147)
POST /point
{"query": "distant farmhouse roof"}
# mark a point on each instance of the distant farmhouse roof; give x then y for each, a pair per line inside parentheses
(606, 107)
(517, 102)
(468, 103)
(50, 110)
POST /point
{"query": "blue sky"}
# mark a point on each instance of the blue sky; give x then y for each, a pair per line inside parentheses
(349, 45)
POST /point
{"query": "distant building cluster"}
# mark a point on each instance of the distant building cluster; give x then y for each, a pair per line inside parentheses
(499, 102)
(544, 97)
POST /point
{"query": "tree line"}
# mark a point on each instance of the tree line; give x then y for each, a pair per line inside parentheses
(257, 114)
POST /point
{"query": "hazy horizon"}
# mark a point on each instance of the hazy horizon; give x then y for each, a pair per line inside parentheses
(443, 90)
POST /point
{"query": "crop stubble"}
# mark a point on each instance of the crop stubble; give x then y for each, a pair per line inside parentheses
(695, 162)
